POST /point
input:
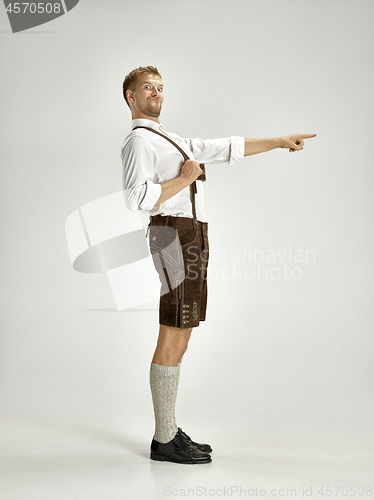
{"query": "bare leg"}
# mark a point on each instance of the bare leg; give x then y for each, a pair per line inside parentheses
(172, 343)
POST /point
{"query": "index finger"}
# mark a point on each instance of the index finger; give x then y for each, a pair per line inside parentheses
(307, 136)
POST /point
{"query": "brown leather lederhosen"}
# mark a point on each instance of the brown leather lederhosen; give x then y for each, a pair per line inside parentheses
(180, 262)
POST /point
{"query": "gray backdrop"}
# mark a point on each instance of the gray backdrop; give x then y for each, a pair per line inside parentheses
(279, 379)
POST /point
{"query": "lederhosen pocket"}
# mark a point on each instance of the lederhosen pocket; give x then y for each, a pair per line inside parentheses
(167, 254)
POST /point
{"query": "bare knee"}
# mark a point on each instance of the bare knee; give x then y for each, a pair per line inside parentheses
(171, 345)
(175, 339)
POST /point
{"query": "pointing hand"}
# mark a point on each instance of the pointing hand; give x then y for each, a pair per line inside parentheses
(294, 141)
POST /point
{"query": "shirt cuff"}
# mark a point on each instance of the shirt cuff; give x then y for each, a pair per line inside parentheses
(152, 194)
(236, 149)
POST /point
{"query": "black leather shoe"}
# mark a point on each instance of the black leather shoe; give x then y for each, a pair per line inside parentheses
(202, 447)
(179, 451)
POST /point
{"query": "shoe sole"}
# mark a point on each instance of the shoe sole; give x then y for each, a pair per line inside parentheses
(164, 458)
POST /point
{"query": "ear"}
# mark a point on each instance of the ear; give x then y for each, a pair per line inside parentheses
(129, 95)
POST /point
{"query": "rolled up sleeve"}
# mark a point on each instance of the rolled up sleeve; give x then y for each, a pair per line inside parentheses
(236, 149)
(141, 192)
(229, 149)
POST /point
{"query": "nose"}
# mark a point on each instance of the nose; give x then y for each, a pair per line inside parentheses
(155, 92)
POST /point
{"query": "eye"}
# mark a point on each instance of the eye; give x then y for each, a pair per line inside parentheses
(160, 90)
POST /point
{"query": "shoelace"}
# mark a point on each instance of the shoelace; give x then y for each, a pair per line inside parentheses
(185, 446)
(183, 434)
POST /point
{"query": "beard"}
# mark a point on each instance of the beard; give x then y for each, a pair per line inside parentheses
(152, 108)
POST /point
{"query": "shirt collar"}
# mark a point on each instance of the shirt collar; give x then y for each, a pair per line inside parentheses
(144, 122)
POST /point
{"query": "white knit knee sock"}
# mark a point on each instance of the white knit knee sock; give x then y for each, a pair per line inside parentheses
(164, 386)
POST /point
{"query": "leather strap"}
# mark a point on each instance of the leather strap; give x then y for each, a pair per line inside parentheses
(168, 139)
(193, 188)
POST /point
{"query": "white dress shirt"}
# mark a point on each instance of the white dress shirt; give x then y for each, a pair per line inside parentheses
(149, 160)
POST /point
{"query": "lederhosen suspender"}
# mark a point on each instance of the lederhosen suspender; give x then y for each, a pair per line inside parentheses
(193, 188)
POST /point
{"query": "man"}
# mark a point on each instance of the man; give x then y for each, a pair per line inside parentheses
(162, 174)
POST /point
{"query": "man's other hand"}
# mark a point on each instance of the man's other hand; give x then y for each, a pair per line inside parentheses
(190, 171)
